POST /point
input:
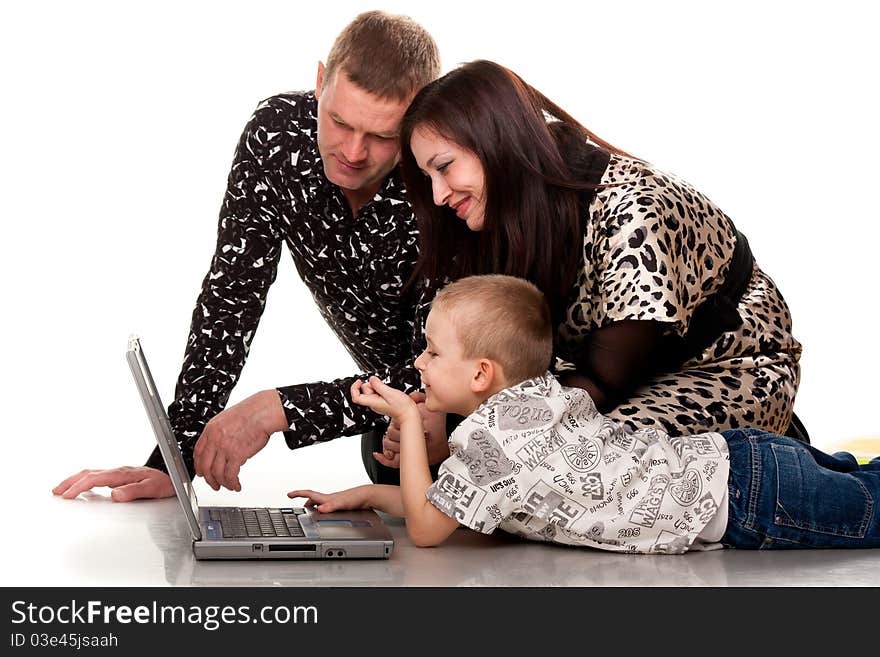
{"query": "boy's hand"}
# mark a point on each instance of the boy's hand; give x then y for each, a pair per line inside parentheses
(384, 399)
(345, 500)
(434, 426)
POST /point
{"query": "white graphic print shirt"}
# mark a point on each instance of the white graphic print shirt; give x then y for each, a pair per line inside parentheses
(538, 460)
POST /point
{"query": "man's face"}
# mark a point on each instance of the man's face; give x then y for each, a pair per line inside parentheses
(358, 133)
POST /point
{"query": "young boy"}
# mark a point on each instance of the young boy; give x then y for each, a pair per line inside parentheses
(538, 460)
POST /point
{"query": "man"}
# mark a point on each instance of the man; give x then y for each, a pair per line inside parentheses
(317, 171)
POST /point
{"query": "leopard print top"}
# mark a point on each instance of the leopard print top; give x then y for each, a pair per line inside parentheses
(654, 249)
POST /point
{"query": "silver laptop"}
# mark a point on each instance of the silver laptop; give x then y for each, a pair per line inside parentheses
(256, 533)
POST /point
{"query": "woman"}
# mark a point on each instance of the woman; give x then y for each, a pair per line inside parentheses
(661, 313)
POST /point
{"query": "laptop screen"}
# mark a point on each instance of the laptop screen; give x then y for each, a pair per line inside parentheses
(164, 435)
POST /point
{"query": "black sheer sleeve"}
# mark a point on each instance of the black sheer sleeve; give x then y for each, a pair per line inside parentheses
(615, 359)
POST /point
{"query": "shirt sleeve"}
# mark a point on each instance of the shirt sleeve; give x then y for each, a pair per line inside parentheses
(233, 293)
(472, 484)
(321, 411)
(618, 358)
(666, 244)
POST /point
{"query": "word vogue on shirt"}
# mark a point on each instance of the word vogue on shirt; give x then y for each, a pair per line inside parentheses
(539, 460)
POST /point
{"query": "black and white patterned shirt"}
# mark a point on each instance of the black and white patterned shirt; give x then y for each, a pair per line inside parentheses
(355, 267)
(613, 489)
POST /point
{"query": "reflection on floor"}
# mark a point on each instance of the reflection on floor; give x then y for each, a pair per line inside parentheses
(149, 544)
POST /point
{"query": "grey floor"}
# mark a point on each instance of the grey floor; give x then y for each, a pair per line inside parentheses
(101, 543)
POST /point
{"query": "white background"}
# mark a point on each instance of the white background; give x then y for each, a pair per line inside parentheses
(119, 123)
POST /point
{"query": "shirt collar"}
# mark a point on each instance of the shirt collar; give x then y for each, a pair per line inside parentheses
(543, 387)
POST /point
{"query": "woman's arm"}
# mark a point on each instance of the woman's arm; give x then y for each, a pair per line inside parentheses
(615, 360)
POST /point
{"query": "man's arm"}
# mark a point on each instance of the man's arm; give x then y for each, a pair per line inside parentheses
(323, 411)
(231, 438)
(225, 317)
(233, 294)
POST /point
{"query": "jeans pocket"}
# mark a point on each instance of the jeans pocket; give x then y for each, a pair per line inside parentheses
(816, 499)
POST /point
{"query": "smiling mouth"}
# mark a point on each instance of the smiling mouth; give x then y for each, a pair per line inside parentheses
(462, 207)
(346, 165)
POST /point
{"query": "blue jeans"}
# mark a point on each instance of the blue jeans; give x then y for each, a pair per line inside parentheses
(786, 494)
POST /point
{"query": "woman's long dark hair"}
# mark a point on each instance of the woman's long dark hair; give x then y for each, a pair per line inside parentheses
(535, 161)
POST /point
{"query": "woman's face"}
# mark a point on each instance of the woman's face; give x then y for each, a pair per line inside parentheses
(456, 175)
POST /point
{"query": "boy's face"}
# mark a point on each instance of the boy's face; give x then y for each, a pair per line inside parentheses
(447, 375)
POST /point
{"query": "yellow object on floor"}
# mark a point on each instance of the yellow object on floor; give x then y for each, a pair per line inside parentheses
(864, 449)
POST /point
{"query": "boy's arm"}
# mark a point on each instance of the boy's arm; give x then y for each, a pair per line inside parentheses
(386, 498)
(426, 525)
(371, 496)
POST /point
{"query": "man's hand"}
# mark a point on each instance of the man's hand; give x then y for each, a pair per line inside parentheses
(434, 426)
(231, 437)
(127, 483)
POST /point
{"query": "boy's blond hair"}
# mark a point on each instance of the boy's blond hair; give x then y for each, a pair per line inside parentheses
(390, 56)
(503, 318)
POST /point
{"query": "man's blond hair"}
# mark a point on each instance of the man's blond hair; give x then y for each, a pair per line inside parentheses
(390, 56)
(503, 318)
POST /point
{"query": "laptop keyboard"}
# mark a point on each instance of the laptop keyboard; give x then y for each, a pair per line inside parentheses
(241, 523)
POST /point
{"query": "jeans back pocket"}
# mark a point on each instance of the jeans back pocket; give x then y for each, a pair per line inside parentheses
(817, 499)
